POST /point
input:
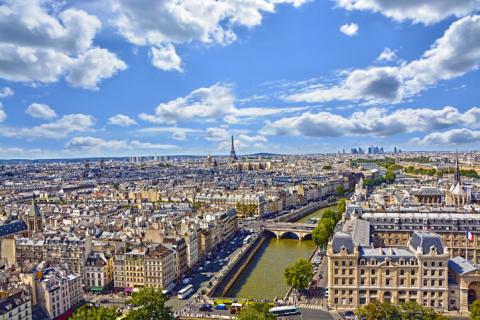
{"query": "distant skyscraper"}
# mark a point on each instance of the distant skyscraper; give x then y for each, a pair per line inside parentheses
(233, 155)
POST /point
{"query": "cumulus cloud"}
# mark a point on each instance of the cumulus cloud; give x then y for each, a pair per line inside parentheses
(92, 66)
(57, 129)
(215, 102)
(349, 29)
(450, 137)
(166, 58)
(387, 55)
(160, 23)
(6, 92)
(41, 45)
(419, 11)
(121, 120)
(374, 121)
(454, 54)
(41, 111)
(94, 145)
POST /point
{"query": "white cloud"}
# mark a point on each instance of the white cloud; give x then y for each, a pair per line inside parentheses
(41, 111)
(213, 103)
(92, 66)
(450, 137)
(349, 29)
(96, 145)
(176, 132)
(166, 58)
(3, 115)
(167, 22)
(42, 45)
(6, 92)
(216, 134)
(57, 129)
(121, 120)
(374, 121)
(423, 11)
(454, 54)
(387, 55)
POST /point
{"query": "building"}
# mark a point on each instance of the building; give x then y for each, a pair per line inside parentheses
(34, 219)
(153, 266)
(99, 272)
(16, 306)
(58, 290)
(360, 274)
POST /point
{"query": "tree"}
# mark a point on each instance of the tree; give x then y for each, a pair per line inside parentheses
(149, 305)
(341, 206)
(340, 191)
(328, 214)
(390, 176)
(475, 310)
(329, 224)
(320, 235)
(405, 311)
(92, 313)
(378, 311)
(299, 274)
(246, 209)
(256, 311)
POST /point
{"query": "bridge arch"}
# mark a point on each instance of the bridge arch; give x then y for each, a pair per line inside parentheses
(290, 234)
(307, 236)
(270, 233)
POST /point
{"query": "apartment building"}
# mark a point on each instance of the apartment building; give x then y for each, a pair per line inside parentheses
(153, 266)
(16, 305)
(99, 272)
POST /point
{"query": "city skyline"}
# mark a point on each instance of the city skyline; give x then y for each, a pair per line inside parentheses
(108, 78)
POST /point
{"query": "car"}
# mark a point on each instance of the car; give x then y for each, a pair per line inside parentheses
(186, 280)
(104, 301)
(317, 260)
(209, 275)
(206, 307)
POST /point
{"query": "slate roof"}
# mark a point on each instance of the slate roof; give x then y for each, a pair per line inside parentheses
(12, 228)
(426, 240)
(462, 266)
(342, 240)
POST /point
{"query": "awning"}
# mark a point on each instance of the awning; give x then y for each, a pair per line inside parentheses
(96, 289)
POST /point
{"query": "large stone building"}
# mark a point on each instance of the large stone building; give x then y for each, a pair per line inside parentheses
(360, 274)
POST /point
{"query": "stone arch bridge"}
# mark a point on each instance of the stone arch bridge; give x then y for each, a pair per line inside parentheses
(301, 231)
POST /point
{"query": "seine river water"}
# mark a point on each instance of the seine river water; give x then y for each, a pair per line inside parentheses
(263, 277)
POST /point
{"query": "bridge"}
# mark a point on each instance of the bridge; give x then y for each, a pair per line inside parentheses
(301, 231)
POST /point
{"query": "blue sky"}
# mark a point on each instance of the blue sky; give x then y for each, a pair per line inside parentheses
(122, 77)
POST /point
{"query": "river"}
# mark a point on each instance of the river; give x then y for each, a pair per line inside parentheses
(263, 277)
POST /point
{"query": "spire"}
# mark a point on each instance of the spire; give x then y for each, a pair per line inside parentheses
(457, 169)
(233, 155)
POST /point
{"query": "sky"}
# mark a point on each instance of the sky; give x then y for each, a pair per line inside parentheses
(88, 78)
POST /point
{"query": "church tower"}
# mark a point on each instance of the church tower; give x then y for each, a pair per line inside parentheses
(34, 219)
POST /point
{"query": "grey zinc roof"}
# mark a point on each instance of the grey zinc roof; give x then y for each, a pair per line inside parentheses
(461, 266)
(425, 240)
(342, 240)
(380, 254)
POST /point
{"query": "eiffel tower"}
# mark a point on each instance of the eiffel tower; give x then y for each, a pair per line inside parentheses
(233, 155)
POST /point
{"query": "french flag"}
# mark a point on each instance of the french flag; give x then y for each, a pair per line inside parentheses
(470, 236)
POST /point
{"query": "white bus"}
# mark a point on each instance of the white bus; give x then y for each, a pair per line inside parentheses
(283, 311)
(185, 292)
(247, 239)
